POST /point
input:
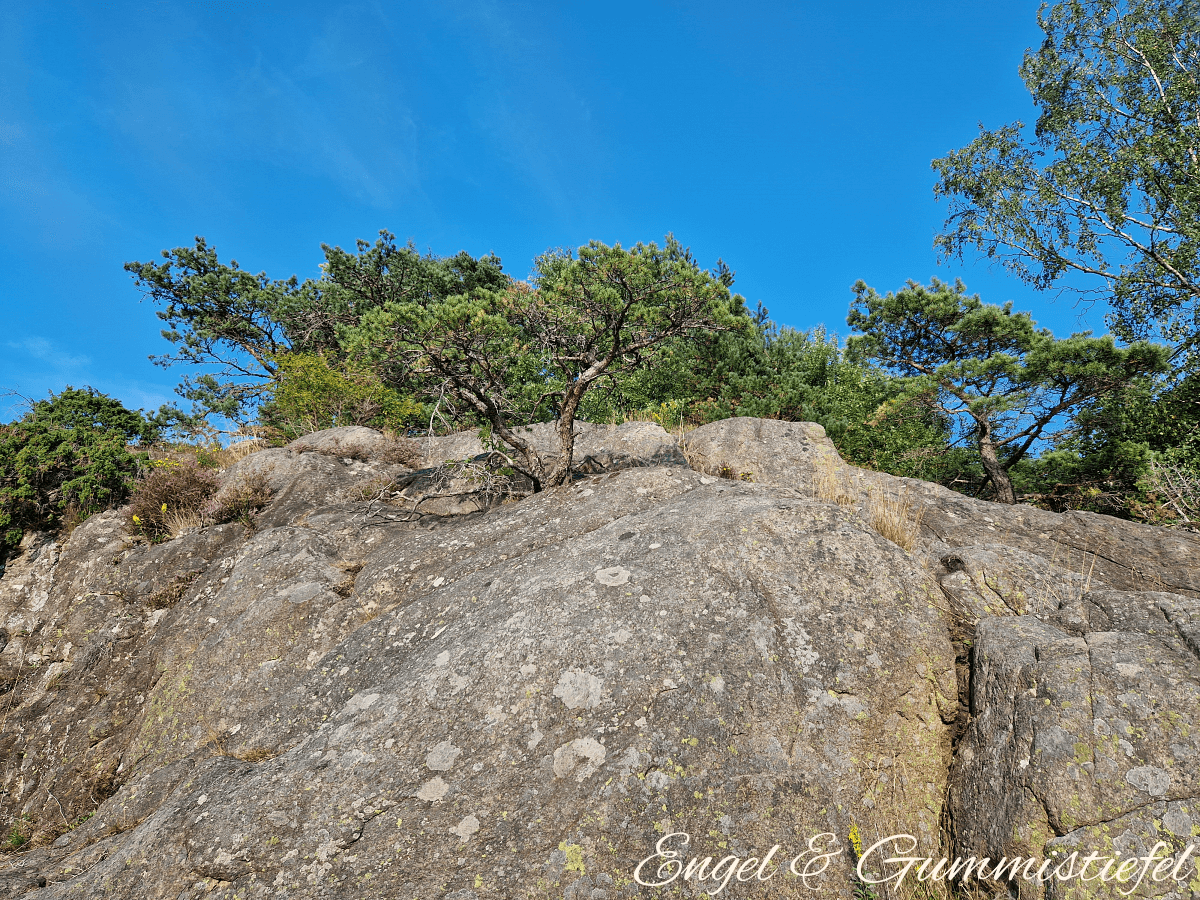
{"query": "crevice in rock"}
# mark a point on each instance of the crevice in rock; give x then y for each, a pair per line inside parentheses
(1189, 641)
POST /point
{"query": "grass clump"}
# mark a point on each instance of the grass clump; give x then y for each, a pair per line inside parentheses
(402, 451)
(179, 497)
(169, 499)
(897, 517)
(240, 501)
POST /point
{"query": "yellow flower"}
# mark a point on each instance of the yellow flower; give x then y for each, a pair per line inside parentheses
(164, 507)
(855, 841)
(137, 521)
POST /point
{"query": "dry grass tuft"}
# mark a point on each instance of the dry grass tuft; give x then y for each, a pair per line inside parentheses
(216, 739)
(180, 521)
(379, 490)
(401, 451)
(238, 502)
(897, 517)
(829, 485)
(178, 490)
(239, 450)
(173, 592)
(253, 754)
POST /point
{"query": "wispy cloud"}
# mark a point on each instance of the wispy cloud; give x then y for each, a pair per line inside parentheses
(49, 353)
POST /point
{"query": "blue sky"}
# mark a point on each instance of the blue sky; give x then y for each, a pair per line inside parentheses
(792, 140)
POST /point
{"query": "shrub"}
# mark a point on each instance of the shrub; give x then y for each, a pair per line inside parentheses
(180, 496)
(310, 394)
(68, 453)
(402, 451)
(239, 501)
(172, 495)
(88, 408)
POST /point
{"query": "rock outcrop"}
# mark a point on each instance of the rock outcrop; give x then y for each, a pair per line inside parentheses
(471, 697)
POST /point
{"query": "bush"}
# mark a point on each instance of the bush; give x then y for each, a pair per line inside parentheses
(310, 394)
(169, 499)
(239, 501)
(67, 457)
(180, 496)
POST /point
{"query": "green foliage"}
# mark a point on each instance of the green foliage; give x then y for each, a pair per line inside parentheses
(67, 453)
(1004, 380)
(763, 370)
(224, 318)
(1108, 184)
(233, 326)
(1106, 463)
(509, 356)
(88, 408)
(309, 394)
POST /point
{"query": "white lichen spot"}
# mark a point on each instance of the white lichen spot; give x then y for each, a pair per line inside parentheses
(433, 790)
(443, 658)
(359, 702)
(658, 780)
(442, 757)
(632, 760)
(528, 670)
(622, 636)
(534, 740)
(717, 685)
(578, 689)
(467, 827)
(1151, 779)
(579, 759)
(613, 576)
(798, 643)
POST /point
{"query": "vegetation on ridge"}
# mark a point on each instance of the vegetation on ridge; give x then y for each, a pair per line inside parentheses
(936, 384)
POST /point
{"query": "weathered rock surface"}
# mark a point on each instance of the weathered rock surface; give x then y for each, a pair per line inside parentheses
(523, 700)
(598, 448)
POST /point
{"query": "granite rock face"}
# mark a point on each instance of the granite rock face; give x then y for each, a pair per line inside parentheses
(523, 698)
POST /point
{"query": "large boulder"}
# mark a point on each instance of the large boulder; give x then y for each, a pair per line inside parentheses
(786, 454)
(352, 701)
(1083, 734)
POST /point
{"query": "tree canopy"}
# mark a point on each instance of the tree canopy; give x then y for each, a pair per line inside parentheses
(525, 353)
(232, 326)
(1108, 183)
(1006, 380)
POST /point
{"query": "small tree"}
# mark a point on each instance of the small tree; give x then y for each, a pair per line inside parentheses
(1108, 184)
(232, 325)
(531, 352)
(989, 367)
